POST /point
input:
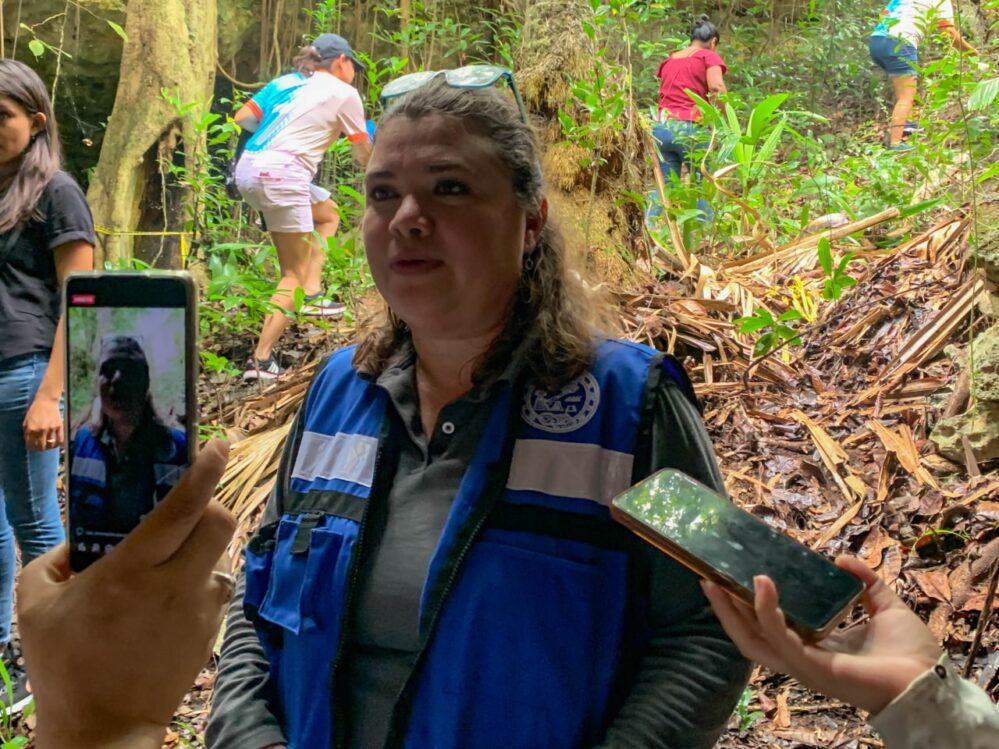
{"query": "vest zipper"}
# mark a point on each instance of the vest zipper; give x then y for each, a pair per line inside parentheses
(395, 737)
(338, 737)
(492, 493)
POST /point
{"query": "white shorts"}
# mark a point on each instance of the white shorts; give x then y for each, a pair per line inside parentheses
(281, 189)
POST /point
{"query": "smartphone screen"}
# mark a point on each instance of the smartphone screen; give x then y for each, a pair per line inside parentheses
(131, 415)
(720, 541)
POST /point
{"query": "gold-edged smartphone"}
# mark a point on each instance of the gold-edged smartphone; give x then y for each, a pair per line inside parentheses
(729, 546)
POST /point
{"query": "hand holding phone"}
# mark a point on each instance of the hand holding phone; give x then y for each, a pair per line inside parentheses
(729, 546)
(131, 415)
(112, 650)
(867, 666)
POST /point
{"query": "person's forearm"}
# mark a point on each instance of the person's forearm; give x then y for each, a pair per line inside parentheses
(965, 46)
(54, 379)
(362, 152)
(241, 715)
(689, 682)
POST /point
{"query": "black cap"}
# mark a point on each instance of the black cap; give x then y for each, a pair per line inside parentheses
(121, 347)
(331, 46)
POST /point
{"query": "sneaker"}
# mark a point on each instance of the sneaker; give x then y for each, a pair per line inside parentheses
(18, 697)
(899, 147)
(262, 369)
(316, 306)
(910, 127)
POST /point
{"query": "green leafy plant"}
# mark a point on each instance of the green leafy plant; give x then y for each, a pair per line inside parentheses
(8, 740)
(773, 332)
(747, 717)
(836, 277)
(188, 735)
(215, 364)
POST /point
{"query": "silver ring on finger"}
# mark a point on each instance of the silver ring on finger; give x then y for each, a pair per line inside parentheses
(228, 581)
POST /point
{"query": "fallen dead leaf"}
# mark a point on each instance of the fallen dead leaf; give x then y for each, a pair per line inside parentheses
(933, 583)
(876, 542)
(783, 717)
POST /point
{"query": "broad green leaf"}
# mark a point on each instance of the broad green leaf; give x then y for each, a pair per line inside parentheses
(825, 256)
(769, 146)
(992, 171)
(843, 262)
(984, 94)
(118, 30)
(36, 47)
(751, 324)
(765, 343)
(299, 298)
(791, 314)
(926, 205)
(785, 332)
(762, 114)
(733, 120)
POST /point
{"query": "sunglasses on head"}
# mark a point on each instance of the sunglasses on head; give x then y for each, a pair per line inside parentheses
(470, 76)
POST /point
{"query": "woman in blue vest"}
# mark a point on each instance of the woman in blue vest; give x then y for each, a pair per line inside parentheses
(437, 567)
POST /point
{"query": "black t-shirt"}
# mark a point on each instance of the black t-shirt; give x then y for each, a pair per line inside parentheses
(29, 288)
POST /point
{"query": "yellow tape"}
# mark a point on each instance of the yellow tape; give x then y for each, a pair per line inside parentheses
(120, 233)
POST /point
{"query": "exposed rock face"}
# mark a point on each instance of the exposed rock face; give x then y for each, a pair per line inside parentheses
(980, 423)
(88, 74)
(984, 360)
(985, 250)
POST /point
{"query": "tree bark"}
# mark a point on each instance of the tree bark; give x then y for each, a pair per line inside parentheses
(171, 47)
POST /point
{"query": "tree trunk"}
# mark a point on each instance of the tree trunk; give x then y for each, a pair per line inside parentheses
(171, 47)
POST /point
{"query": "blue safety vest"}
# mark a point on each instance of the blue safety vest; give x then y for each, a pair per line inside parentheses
(89, 469)
(532, 615)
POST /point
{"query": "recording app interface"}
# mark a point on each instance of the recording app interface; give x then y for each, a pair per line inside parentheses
(740, 546)
(127, 420)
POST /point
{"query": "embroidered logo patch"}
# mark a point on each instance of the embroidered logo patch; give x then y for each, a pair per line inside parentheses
(565, 411)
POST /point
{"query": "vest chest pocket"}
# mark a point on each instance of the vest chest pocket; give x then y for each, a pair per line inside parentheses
(301, 581)
(296, 576)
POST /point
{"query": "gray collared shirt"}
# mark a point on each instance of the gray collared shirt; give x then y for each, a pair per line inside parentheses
(385, 635)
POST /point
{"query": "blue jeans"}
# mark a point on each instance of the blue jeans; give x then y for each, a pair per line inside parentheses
(677, 141)
(27, 480)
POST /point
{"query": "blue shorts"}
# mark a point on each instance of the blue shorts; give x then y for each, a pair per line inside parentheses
(894, 56)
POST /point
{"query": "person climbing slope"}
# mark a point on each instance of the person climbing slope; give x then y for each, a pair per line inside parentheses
(294, 119)
(894, 47)
(697, 68)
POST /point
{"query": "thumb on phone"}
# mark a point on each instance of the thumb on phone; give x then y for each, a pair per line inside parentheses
(164, 531)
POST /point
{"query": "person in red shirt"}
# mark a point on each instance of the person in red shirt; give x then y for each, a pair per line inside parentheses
(698, 69)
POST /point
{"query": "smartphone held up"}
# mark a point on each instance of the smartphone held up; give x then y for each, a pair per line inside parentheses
(131, 408)
(729, 546)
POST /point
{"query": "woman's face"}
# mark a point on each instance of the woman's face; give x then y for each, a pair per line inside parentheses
(444, 235)
(16, 129)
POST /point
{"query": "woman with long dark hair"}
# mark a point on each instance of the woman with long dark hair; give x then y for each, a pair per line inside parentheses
(46, 232)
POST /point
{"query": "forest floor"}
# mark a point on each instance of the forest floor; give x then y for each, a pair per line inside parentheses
(826, 441)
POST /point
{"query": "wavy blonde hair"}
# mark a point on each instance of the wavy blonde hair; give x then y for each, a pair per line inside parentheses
(552, 305)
